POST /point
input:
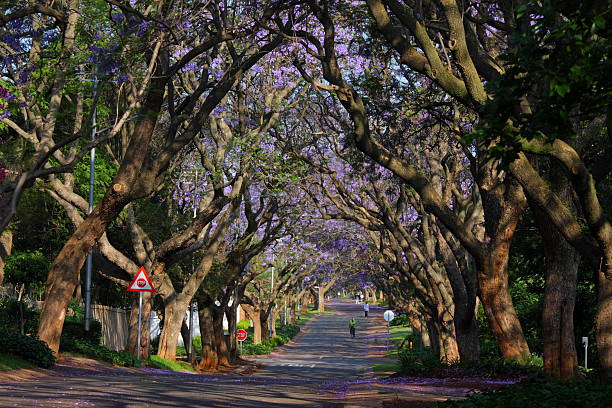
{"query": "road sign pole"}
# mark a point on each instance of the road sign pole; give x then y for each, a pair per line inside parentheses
(139, 324)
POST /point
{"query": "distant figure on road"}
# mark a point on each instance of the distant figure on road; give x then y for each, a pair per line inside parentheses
(352, 325)
(366, 308)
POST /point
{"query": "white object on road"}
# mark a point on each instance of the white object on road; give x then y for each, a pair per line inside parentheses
(388, 315)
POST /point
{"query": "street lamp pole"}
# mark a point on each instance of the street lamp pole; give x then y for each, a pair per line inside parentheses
(92, 162)
(272, 309)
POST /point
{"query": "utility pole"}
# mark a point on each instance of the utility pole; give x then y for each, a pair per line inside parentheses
(92, 172)
(272, 309)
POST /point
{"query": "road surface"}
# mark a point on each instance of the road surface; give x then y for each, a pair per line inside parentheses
(315, 371)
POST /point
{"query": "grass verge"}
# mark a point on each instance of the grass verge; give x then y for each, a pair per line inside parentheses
(159, 362)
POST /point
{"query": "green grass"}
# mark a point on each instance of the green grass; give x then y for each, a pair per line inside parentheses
(159, 362)
(384, 367)
(11, 362)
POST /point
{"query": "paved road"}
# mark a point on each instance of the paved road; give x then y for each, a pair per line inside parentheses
(304, 374)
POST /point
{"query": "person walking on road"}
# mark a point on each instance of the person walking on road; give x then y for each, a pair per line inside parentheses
(366, 308)
(352, 325)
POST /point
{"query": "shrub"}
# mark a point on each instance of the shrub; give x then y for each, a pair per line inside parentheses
(74, 330)
(261, 348)
(29, 348)
(243, 324)
(99, 352)
(541, 395)
(426, 363)
(401, 320)
(10, 315)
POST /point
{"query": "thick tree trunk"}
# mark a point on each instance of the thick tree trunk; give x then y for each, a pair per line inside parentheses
(207, 334)
(503, 210)
(264, 323)
(174, 314)
(447, 340)
(145, 330)
(603, 318)
(434, 337)
(185, 336)
(231, 313)
(6, 247)
(561, 276)
(321, 300)
(221, 345)
(497, 303)
(254, 316)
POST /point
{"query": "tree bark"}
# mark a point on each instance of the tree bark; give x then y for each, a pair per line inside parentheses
(174, 315)
(209, 353)
(561, 276)
(6, 247)
(254, 316)
(221, 346)
(145, 334)
(503, 206)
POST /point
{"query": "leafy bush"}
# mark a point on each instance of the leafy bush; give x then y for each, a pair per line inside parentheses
(99, 352)
(243, 324)
(10, 315)
(401, 320)
(28, 268)
(540, 395)
(74, 330)
(261, 348)
(28, 347)
(426, 363)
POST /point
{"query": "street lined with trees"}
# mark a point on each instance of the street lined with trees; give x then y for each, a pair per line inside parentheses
(449, 158)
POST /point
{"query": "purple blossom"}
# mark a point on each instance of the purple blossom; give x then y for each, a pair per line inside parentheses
(117, 18)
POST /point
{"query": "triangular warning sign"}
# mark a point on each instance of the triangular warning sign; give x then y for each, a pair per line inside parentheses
(141, 282)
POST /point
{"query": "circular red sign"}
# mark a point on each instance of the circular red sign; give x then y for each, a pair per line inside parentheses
(141, 283)
(241, 334)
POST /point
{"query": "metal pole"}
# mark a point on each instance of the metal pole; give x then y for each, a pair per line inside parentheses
(285, 311)
(190, 340)
(92, 162)
(585, 343)
(421, 333)
(139, 324)
(272, 309)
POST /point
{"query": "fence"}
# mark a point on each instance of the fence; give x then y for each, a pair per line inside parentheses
(114, 326)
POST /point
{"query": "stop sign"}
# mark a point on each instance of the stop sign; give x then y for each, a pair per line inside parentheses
(241, 334)
(141, 283)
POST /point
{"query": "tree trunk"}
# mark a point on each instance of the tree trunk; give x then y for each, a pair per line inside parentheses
(561, 276)
(264, 323)
(254, 316)
(497, 303)
(603, 318)
(321, 299)
(434, 337)
(231, 312)
(6, 246)
(467, 337)
(449, 348)
(185, 334)
(502, 213)
(174, 314)
(207, 334)
(145, 333)
(221, 345)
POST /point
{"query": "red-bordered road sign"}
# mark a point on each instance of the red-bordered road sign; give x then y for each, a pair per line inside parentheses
(141, 282)
(241, 334)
